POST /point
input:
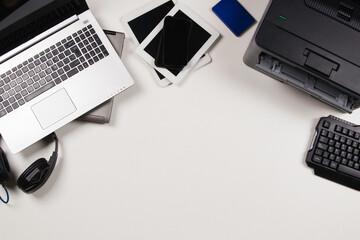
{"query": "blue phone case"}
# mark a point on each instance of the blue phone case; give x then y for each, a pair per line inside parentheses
(234, 15)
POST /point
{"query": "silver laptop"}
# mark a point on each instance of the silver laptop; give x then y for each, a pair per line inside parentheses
(56, 64)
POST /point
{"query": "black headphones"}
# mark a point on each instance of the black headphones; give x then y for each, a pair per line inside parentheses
(35, 176)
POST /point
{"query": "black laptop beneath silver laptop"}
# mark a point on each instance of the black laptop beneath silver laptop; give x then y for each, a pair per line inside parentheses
(56, 64)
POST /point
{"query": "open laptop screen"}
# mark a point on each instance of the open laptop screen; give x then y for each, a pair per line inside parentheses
(21, 20)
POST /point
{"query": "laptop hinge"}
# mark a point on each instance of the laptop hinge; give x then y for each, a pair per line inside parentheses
(38, 38)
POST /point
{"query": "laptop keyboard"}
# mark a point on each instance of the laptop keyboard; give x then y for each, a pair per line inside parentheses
(49, 68)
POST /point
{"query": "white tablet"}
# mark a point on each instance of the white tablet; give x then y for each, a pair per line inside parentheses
(201, 38)
(163, 82)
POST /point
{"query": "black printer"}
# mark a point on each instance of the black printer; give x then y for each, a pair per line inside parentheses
(313, 45)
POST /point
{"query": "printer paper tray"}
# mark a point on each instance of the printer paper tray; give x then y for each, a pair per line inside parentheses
(306, 82)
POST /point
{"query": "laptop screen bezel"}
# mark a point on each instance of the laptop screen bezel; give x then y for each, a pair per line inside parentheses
(38, 21)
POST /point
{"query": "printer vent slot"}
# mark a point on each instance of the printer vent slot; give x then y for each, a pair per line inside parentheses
(346, 12)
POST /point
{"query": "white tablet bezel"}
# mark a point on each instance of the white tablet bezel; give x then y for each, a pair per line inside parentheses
(170, 76)
(165, 82)
(139, 12)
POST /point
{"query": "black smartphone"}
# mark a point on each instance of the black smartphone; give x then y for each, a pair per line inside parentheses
(176, 35)
(159, 60)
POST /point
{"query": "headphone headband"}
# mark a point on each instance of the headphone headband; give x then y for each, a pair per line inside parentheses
(4, 168)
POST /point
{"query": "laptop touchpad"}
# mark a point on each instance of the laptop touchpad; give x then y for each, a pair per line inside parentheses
(53, 108)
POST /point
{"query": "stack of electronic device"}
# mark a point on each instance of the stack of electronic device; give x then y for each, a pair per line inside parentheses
(172, 39)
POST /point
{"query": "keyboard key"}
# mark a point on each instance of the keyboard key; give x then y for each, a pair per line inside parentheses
(18, 96)
(54, 75)
(344, 161)
(43, 66)
(72, 57)
(9, 109)
(60, 64)
(72, 72)
(21, 102)
(350, 164)
(55, 52)
(48, 78)
(49, 63)
(39, 91)
(357, 136)
(74, 63)
(349, 171)
(24, 93)
(334, 165)
(97, 39)
(66, 61)
(76, 51)
(351, 134)
(42, 82)
(317, 159)
(63, 77)
(49, 55)
(323, 139)
(2, 113)
(338, 128)
(357, 166)
(69, 44)
(322, 146)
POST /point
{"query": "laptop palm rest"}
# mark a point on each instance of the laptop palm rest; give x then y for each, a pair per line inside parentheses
(53, 108)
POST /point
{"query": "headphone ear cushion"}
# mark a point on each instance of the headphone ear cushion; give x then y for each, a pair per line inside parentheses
(34, 176)
(4, 168)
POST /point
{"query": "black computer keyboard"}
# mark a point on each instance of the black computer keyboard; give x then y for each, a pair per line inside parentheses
(335, 151)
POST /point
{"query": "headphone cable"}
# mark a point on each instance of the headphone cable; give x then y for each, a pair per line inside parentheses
(7, 195)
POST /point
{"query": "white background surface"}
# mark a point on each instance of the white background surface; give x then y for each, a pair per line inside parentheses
(219, 157)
